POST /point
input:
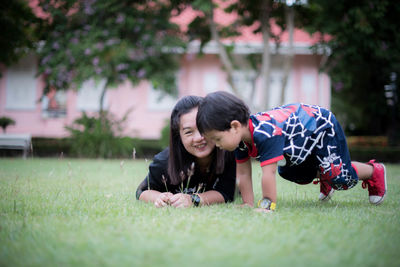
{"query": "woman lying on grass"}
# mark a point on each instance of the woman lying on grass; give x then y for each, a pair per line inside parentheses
(192, 171)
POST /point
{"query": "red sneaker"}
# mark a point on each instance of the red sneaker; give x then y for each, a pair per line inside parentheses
(377, 185)
(325, 189)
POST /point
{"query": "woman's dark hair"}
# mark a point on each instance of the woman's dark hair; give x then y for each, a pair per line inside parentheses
(218, 110)
(179, 159)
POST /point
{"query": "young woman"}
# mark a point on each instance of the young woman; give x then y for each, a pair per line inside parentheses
(192, 171)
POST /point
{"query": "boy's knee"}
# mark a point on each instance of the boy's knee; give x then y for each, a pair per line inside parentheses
(338, 176)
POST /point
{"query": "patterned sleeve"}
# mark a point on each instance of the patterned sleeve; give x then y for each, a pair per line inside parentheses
(270, 148)
(241, 153)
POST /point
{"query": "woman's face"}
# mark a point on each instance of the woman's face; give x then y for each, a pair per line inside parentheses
(192, 140)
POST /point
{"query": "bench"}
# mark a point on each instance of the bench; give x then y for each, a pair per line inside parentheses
(16, 142)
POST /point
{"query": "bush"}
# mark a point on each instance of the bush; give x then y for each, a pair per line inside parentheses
(147, 148)
(5, 122)
(96, 137)
(165, 132)
(56, 147)
(50, 147)
(382, 154)
(364, 148)
(367, 141)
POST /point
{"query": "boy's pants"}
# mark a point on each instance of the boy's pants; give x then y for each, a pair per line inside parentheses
(330, 159)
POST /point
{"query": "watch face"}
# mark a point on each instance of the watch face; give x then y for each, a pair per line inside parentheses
(265, 203)
(195, 200)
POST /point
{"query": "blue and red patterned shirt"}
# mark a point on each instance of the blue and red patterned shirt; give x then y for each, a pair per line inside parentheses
(291, 131)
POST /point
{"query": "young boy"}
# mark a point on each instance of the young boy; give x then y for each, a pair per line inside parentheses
(303, 141)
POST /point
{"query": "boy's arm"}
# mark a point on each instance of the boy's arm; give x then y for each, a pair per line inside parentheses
(268, 182)
(243, 173)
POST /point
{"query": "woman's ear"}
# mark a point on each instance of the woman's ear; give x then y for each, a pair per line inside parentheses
(235, 124)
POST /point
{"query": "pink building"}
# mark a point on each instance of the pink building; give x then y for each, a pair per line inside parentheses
(20, 90)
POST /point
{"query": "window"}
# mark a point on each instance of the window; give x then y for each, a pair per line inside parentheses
(243, 80)
(275, 88)
(160, 101)
(21, 85)
(89, 95)
(210, 82)
(54, 104)
(308, 87)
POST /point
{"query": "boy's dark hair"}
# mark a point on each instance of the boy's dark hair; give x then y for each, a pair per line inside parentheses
(179, 159)
(218, 110)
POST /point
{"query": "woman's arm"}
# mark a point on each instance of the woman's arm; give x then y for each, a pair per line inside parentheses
(243, 172)
(158, 198)
(181, 200)
(153, 188)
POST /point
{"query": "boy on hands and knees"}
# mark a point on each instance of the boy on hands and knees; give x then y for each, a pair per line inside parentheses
(302, 141)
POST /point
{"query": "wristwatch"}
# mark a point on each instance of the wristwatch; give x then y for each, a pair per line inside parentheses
(196, 200)
(266, 203)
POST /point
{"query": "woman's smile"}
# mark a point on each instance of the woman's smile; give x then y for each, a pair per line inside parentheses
(201, 146)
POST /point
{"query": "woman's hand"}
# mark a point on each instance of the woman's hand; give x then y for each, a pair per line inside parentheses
(163, 199)
(181, 200)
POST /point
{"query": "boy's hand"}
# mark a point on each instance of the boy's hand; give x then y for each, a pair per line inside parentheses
(163, 199)
(261, 210)
(181, 200)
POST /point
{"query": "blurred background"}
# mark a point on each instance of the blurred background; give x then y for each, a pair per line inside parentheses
(98, 78)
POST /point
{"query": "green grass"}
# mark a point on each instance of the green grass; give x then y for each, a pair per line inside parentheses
(84, 213)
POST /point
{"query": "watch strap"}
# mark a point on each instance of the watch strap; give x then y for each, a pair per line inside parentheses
(196, 200)
(266, 203)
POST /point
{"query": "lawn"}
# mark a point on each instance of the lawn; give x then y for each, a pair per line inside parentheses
(68, 212)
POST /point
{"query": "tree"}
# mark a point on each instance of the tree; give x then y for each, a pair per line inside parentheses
(5, 122)
(364, 52)
(288, 60)
(260, 14)
(111, 41)
(19, 27)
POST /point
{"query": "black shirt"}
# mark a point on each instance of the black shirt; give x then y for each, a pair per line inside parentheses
(223, 183)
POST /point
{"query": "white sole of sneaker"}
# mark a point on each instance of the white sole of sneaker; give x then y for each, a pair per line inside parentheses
(376, 200)
(323, 197)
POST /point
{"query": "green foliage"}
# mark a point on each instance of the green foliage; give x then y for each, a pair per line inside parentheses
(249, 13)
(5, 122)
(19, 27)
(364, 51)
(109, 40)
(165, 133)
(146, 148)
(51, 147)
(84, 213)
(205, 6)
(385, 154)
(97, 136)
(56, 147)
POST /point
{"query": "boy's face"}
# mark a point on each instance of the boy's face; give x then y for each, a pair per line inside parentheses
(227, 140)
